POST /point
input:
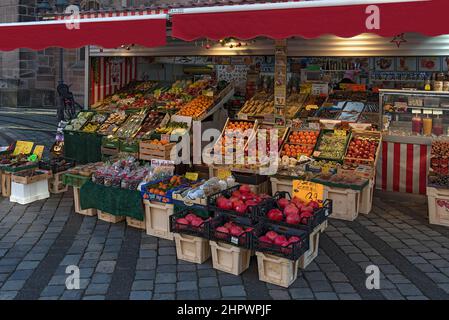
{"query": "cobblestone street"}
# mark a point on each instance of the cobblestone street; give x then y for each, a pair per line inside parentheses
(38, 241)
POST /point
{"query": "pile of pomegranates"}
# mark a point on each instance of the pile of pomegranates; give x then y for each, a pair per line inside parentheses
(293, 211)
(272, 238)
(190, 220)
(240, 200)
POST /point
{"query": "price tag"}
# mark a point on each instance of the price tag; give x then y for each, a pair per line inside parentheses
(416, 111)
(23, 147)
(243, 116)
(39, 151)
(193, 176)
(223, 174)
(311, 107)
(235, 240)
(208, 93)
(162, 163)
(314, 125)
(165, 137)
(427, 111)
(438, 112)
(316, 153)
(340, 133)
(308, 191)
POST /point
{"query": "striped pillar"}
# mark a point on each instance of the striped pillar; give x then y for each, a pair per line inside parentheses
(403, 167)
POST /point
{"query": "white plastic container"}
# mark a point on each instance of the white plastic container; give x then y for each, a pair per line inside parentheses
(192, 249)
(276, 270)
(437, 200)
(228, 258)
(312, 253)
(157, 219)
(366, 198)
(345, 203)
(28, 193)
(279, 185)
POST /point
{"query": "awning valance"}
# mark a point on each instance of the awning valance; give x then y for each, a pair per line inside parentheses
(107, 32)
(311, 19)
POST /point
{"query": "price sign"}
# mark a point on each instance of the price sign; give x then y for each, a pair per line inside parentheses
(165, 137)
(311, 107)
(308, 191)
(39, 151)
(162, 163)
(223, 174)
(23, 147)
(193, 176)
(427, 111)
(243, 116)
(438, 112)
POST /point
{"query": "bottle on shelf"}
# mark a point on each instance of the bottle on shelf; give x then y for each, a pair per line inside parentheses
(427, 126)
(417, 124)
(437, 128)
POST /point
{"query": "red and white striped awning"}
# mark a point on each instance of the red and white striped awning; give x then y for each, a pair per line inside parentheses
(107, 31)
(311, 19)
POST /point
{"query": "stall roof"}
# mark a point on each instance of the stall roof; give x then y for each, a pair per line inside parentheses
(311, 19)
(147, 30)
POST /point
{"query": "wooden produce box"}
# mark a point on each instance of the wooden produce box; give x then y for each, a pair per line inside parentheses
(109, 151)
(366, 134)
(6, 184)
(192, 249)
(134, 223)
(107, 217)
(76, 198)
(345, 202)
(366, 197)
(149, 151)
(281, 185)
(312, 253)
(25, 177)
(438, 202)
(157, 219)
(56, 185)
(276, 270)
(228, 258)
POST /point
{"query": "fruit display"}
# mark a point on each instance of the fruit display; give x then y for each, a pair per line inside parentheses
(331, 145)
(238, 200)
(300, 143)
(258, 102)
(236, 231)
(439, 164)
(112, 123)
(322, 166)
(151, 122)
(339, 180)
(235, 129)
(77, 123)
(173, 127)
(132, 125)
(264, 135)
(199, 193)
(95, 122)
(312, 104)
(362, 150)
(295, 101)
(189, 223)
(162, 190)
(196, 107)
(56, 165)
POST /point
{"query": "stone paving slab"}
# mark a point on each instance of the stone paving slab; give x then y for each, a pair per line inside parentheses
(39, 241)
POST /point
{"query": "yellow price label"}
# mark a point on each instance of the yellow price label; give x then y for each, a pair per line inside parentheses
(308, 191)
(223, 174)
(39, 151)
(23, 147)
(311, 107)
(192, 176)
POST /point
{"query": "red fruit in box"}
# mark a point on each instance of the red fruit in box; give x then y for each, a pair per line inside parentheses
(283, 202)
(234, 199)
(182, 221)
(190, 217)
(305, 216)
(236, 194)
(291, 209)
(249, 229)
(236, 231)
(241, 208)
(265, 239)
(280, 240)
(271, 235)
(294, 239)
(313, 204)
(226, 205)
(245, 188)
(220, 201)
(297, 202)
(197, 222)
(222, 232)
(275, 214)
(236, 203)
(228, 225)
(293, 218)
(307, 209)
(251, 203)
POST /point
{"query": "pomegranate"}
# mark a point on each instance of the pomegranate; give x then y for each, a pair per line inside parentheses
(293, 218)
(241, 208)
(226, 205)
(265, 239)
(197, 222)
(220, 201)
(294, 239)
(236, 194)
(280, 240)
(190, 217)
(234, 199)
(251, 203)
(245, 188)
(236, 231)
(271, 235)
(237, 203)
(314, 204)
(291, 209)
(283, 202)
(297, 202)
(228, 225)
(182, 221)
(222, 233)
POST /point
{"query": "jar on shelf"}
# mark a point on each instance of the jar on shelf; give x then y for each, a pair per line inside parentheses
(417, 124)
(437, 128)
(427, 126)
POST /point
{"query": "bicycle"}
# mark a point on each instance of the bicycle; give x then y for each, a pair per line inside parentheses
(69, 108)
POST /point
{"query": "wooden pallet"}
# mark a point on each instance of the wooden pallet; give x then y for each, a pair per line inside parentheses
(109, 217)
(55, 184)
(134, 223)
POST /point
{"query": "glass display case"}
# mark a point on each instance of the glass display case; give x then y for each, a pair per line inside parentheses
(414, 113)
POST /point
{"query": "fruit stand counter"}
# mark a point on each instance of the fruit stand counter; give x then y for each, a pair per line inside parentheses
(112, 200)
(403, 164)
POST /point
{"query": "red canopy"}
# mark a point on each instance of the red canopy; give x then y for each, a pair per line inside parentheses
(110, 32)
(311, 19)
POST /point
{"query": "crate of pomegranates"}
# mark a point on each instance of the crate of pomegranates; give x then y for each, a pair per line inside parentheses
(237, 201)
(234, 230)
(293, 213)
(187, 222)
(281, 241)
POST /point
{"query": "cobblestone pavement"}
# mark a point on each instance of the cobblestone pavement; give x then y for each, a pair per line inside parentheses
(38, 242)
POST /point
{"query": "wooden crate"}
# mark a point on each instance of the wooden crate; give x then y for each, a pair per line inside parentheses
(323, 226)
(367, 134)
(312, 253)
(157, 220)
(148, 151)
(345, 202)
(55, 184)
(281, 184)
(276, 270)
(76, 198)
(109, 151)
(438, 211)
(134, 223)
(25, 179)
(366, 197)
(192, 249)
(228, 258)
(109, 217)
(6, 184)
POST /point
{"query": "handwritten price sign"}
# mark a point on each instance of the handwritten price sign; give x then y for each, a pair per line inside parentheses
(308, 191)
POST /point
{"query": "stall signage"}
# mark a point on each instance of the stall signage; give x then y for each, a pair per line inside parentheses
(308, 191)
(193, 176)
(243, 116)
(162, 163)
(39, 151)
(437, 112)
(223, 174)
(23, 147)
(427, 111)
(416, 111)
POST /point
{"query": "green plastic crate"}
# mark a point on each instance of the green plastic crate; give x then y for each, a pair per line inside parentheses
(131, 147)
(74, 180)
(111, 143)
